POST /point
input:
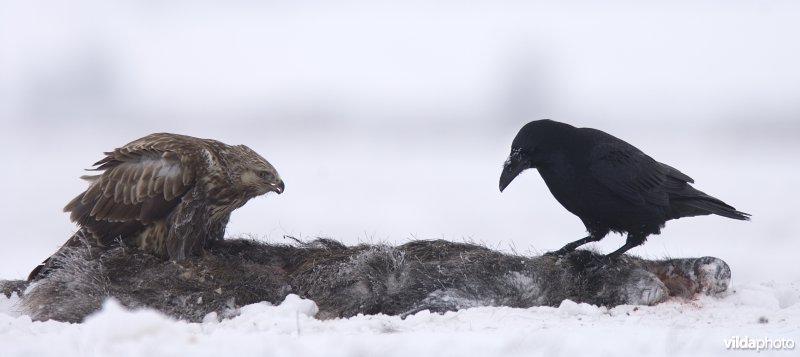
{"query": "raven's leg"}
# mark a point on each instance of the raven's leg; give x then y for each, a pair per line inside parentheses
(574, 245)
(634, 240)
(593, 236)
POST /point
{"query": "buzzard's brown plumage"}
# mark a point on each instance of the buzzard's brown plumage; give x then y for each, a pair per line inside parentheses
(169, 194)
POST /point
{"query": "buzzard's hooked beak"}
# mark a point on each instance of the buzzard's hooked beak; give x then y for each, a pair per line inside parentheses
(513, 166)
(278, 187)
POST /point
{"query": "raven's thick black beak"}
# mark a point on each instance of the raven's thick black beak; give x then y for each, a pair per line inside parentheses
(513, 166)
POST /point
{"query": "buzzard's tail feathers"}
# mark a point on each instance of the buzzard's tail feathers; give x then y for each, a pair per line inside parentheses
(80, 238)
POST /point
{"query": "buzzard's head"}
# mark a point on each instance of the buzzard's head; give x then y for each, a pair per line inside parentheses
(256, 176)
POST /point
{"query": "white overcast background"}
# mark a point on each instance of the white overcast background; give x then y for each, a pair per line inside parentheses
(390, 122)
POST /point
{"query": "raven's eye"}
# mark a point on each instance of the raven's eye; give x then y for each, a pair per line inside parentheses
(266, 175)
(518, 152)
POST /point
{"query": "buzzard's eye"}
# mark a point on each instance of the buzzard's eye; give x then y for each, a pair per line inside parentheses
(266, 175)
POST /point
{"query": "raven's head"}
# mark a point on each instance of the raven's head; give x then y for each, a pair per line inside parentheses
(533, 147)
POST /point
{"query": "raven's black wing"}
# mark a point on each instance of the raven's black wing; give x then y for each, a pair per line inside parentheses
(634, 176)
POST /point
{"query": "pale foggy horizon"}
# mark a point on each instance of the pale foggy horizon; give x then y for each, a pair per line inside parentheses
(391, 121)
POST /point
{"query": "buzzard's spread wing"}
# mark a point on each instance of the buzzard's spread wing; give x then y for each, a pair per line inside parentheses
(141, 182)
(633, 175)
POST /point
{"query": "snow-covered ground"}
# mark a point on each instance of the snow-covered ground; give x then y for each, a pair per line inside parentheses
(390, 122)
(677, 328)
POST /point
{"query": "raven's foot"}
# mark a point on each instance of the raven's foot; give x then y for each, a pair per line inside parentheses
(586, 262)
(599, 263)
(558, 253)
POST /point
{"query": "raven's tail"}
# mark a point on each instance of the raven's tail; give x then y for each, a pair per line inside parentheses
(689, 201)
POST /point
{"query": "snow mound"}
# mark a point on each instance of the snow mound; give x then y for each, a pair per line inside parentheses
(571, 308)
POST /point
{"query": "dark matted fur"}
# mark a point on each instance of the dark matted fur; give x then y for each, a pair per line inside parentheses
(344, 281)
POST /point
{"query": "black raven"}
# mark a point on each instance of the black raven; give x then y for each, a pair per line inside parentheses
(609, 184)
